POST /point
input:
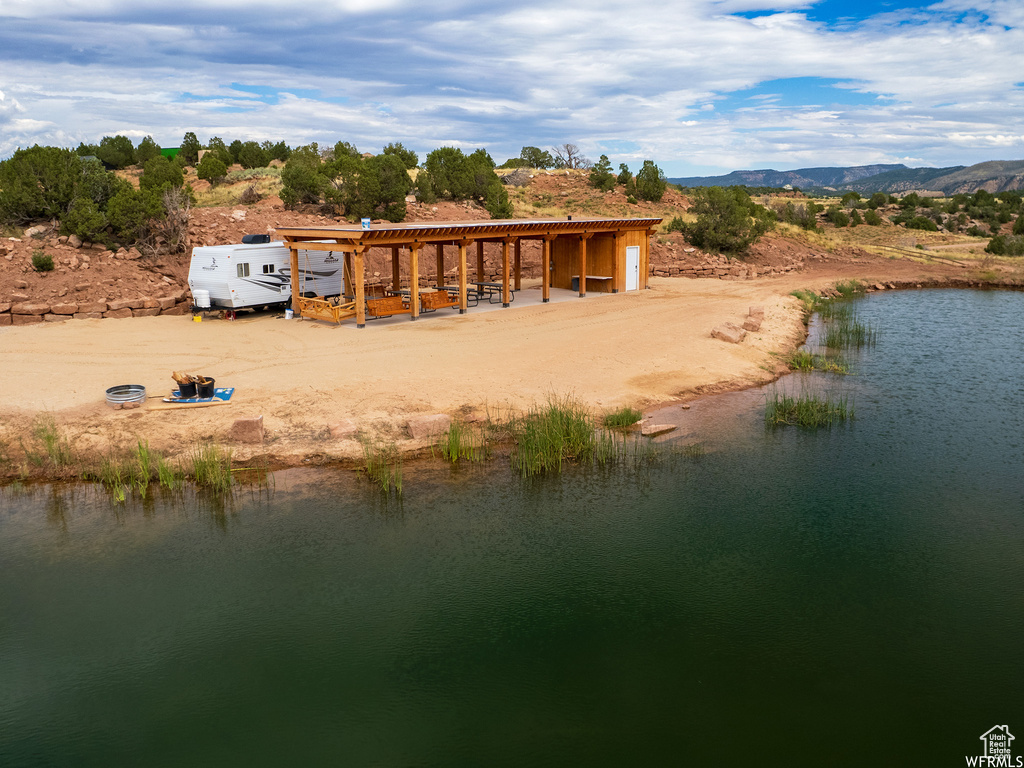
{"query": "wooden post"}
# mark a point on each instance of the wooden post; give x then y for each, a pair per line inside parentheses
(357, 267)
(583, 266)
(504, 273)
(349, 287)
(295, 277)
(463, 300)
(440, 265)
(545, 268)
(616, 272)
(519, 264)
(480, 261)
(396, 281)
(414, 280)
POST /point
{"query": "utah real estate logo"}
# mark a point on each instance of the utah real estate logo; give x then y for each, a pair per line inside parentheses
(997, 750)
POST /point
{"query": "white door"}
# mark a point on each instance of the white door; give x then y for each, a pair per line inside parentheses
(632, 267)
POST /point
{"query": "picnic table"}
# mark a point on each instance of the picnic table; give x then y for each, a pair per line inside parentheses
(490, 290)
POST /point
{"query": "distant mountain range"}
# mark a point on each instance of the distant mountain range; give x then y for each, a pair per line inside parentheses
(994, 176)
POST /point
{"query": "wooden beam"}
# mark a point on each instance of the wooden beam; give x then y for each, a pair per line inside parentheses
(336, 247)
(414, 281)
(545, 268)
(294, 259)
(519, 265)
(504, 273)
(440, 265)
(396, 280)
(357, 267)
(616, 242)
(349, 287)
(463, 299)
(480, 261)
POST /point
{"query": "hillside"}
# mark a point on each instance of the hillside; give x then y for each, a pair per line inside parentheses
(992, 176)
(803, 177)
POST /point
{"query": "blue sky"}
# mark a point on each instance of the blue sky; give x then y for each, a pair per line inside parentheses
(698, 86)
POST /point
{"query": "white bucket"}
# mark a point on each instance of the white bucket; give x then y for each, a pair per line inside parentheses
(289, 314)
(201, 299)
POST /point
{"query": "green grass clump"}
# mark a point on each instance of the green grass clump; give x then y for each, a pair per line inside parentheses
(55, 445)
(461, 442)
(807, 411)
(383, 466)
(211, 467)
(802, 360)
(42, 261)
(849, 333)
(849, 288)
(624, 417)
(546, 437)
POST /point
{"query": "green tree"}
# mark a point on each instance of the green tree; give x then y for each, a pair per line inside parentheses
(280, 151)
(130, 210)
(38, 183)
(496, 201)
(872, 218)
(159, 171)
(534, 157)
(116, 151)
(728, 221)
(601, 175)
(837, 217)
(407, 156)
(189, 150)
(850, 198)
(252, 155)
(650, 182)
(449, 172)
(84, 150)
(303, 177)
(922, 222)
(344, 149)
(84, 219)
(425, 188)
(234, 148)
(1018, 225)
(219, 148)
(878, 200)
(624, 176)
(146, 150)
(212, 169)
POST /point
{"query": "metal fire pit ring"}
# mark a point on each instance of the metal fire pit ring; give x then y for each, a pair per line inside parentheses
(126, 393)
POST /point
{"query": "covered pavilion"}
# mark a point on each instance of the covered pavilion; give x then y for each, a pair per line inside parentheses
(604, 255)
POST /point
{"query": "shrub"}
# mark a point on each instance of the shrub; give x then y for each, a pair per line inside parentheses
(878, 200)
(159, 171)
(631, 200)
(871, 217)
(855, 218)
(624, 176)
(131, 209)
(534, 157)
(922, 222)
(42, 261)
(252, 155)
(650, 182)
(116, 151)
(84, 219)
(211, 169)
(1018, 226)
(189, 151)
(1003, 245)
(497, 203)
(727, 220)
(38, 183)
(838, 218)
(303, 177)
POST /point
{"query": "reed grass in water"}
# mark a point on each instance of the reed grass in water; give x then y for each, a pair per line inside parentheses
(806, 410)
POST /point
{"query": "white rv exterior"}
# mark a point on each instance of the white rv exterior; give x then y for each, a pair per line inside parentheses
(259, 274)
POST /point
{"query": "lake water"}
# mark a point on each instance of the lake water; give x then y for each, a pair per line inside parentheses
(843, 597)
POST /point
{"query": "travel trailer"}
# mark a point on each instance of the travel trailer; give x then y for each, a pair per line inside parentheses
(258, 274)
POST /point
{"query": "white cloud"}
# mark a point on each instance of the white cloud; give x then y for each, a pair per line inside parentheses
(488, 74)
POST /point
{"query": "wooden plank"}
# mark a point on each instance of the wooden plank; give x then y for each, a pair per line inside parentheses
(176, 406)
(336, 247)
(504, 273)
(440, 266)
(396, 281)
(480, 261)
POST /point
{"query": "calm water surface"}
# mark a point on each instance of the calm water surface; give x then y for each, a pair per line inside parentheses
(853, 597)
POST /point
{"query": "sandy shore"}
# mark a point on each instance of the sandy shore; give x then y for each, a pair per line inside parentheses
(608, 351)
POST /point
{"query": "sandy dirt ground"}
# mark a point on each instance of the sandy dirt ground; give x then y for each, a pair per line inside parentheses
(639, 349)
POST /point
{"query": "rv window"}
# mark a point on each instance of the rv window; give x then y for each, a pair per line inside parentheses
(243, 269)
(268, 269)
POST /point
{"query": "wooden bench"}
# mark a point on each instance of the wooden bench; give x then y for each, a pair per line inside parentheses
(434, 300)
(330, 310)
(387, 306)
